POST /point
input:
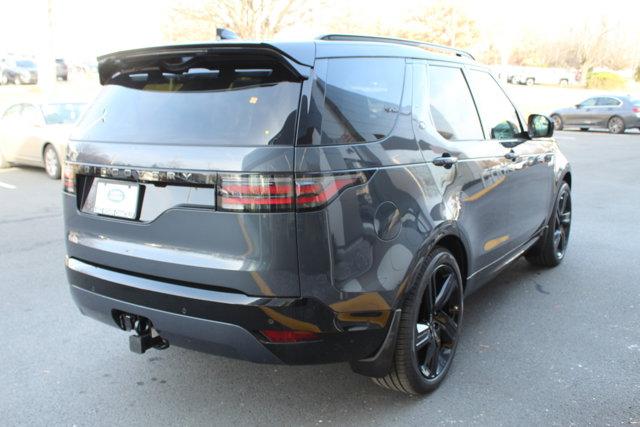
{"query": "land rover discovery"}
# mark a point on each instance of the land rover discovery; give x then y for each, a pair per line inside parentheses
(306, 202)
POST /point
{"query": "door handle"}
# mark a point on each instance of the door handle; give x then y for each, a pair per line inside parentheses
(445, 161)
(511, 156)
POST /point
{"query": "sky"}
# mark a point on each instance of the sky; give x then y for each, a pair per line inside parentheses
(86, 28)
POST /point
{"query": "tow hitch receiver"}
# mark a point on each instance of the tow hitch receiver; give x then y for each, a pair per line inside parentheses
(146, 336)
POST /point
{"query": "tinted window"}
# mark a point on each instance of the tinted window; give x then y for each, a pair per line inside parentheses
(362, 99)
(588, 103)
(452, 110)
(608, 102)
(225, 106)
(499, 118)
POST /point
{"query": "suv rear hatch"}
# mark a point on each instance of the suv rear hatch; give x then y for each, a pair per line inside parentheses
(183, 168)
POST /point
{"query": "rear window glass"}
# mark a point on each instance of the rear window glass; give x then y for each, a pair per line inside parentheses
(228, 106)
(361, 99)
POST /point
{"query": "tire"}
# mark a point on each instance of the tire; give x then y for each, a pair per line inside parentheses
(558, 124)
(530, 82)
(552, 247)
(421, 368)
(616, 125)
(4, 79)
(564, 83)
(584, 129)
(51, 162)
(17, 79)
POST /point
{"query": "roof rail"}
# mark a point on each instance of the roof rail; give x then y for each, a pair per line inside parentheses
(423, 45)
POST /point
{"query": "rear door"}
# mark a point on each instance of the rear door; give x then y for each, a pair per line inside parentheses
(184, 172)
(605, 108)
(33, 125)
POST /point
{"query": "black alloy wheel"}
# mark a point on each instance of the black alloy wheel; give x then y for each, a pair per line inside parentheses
(436, 332)
(562, 223)
(429, 327)
(552, 246)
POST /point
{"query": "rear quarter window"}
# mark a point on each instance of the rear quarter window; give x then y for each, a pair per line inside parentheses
(361, 98)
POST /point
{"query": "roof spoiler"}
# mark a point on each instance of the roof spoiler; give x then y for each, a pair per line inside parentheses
(132, 60)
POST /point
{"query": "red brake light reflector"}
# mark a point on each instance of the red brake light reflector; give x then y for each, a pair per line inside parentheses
(316, 191)
(255, 193)
(289, 336)
(275, 192)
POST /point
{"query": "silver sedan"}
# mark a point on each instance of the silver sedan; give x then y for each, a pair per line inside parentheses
(36, 134)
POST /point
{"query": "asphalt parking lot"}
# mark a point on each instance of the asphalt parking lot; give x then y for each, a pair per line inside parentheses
(539, 347)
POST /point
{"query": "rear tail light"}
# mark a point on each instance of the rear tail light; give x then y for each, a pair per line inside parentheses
(316, 191)
(636, 109)
(277, 336)
(255, 193)
(275, 193)
(69, 179)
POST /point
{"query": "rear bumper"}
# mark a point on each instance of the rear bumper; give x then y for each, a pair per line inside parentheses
(222, 323)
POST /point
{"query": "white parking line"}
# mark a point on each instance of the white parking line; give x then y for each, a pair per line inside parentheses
(7, 186)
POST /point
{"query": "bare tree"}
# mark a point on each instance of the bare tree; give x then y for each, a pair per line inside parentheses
(251, 19)
(443, 23)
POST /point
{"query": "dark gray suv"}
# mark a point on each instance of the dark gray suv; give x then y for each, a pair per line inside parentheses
(309, 202)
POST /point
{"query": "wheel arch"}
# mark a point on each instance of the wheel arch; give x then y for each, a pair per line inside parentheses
(44, 147)
(455, 245)
(449, 236)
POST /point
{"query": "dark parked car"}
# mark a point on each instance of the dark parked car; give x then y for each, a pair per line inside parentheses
(612, 112)
(309, 202)
(21, 71)
(62, 70)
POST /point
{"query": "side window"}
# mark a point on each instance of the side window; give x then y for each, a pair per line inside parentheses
(499, 118)
(588, 102)
(452, 110)
(362, 99)
(608, 102)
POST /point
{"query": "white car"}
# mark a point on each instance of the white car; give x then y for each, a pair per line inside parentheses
(36, 134)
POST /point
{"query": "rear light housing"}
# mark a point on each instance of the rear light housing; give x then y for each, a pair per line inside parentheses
(255, 193)
(280, 193)
(313, 192)
(636, 109)
(69, 179)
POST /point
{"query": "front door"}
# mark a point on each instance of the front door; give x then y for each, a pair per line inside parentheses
(529, 183)
(476, 194)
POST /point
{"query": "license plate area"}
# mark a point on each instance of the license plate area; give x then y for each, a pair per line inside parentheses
(114, 198)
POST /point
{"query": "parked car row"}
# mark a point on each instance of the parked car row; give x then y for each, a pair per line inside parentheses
(25, 71)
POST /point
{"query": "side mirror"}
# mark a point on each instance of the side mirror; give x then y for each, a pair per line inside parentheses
(539, 126)
(578, 105)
